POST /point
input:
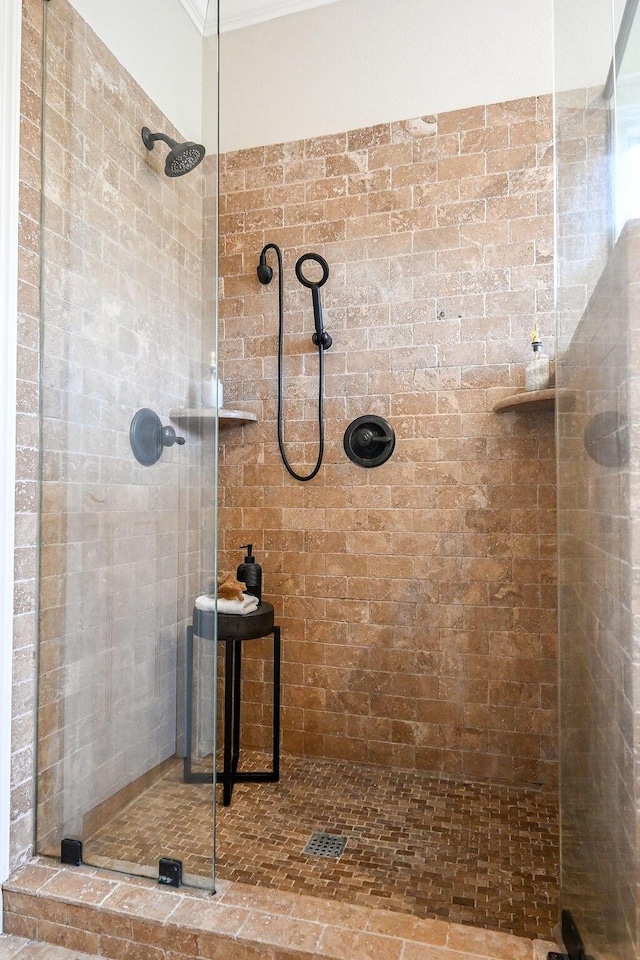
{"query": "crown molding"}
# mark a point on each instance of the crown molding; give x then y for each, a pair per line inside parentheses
(235, 14)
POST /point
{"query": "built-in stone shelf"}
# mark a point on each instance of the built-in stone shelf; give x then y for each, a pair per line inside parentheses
(227, 417)
(527, 400)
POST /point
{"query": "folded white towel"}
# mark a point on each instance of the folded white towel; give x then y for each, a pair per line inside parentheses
(241, 607)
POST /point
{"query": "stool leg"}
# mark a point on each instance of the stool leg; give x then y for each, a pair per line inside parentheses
(188, 693)
(237, 685)
(276, 703)
(227, 774)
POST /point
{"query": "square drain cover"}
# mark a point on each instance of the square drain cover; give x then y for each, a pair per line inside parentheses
(325, 845)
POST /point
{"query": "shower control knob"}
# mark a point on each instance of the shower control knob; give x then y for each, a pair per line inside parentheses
(169, 437)
(365, 437)
(148, 437)
(369, 441)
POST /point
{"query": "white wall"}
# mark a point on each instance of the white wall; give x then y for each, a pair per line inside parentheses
(347, 64)
(210, 93)
(362, 62)
(160, 46)
(583, 48)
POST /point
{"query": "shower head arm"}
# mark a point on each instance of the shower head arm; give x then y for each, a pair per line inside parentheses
(149, 139)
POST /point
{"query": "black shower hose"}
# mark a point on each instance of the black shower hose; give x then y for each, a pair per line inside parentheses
(296, 476)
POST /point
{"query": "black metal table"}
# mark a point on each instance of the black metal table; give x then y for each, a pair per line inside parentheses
(233, 630)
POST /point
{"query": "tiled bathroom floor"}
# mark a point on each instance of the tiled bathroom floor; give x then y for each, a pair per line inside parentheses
(482, 854)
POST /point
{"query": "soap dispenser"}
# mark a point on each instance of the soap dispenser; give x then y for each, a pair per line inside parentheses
(250, 573)
(537, 371)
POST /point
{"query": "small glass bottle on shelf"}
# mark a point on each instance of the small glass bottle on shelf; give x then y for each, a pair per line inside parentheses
(212, 388)
(537, 373)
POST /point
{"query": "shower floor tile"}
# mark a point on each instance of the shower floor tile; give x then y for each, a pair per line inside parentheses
(476, 853)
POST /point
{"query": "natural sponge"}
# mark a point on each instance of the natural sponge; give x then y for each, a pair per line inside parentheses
(229, 588)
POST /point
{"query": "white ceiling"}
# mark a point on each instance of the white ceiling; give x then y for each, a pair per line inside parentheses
(242, 13)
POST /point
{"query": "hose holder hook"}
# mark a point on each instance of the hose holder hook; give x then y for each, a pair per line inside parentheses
(320, 338)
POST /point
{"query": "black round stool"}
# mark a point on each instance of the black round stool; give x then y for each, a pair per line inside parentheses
(233, 630)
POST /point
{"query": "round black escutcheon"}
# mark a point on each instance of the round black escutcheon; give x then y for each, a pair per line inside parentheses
(606, 438)
(369, 441)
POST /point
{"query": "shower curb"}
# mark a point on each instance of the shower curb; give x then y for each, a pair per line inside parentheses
(102, 913)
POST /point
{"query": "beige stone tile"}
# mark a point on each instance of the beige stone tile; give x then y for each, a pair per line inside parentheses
(212, 916)
(81, 888)
(542, 947)
(487, 943)
(14, 924)
(345, 945)
(142, 900)
(421, 951)
(10, 946)
(32, 950)
(32, 876)
(408, 928)
(259, 898)
(270, 928)
(70, 937)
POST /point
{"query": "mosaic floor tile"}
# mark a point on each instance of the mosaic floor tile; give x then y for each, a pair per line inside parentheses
(476, 853)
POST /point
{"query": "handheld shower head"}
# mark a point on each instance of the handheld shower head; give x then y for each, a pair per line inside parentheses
(320, 337)
(182, 157)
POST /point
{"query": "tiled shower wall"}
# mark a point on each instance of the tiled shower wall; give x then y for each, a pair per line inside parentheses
(417, 599)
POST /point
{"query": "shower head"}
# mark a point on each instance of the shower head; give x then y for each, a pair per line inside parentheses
(182, 157)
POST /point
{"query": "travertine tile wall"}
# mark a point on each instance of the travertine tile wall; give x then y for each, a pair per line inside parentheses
(122, 330)
(417, 599)
(23, 716)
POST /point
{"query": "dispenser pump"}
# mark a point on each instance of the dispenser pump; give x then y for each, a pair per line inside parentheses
(250, 573)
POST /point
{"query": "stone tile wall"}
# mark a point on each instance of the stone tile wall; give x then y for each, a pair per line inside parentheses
(417, 599)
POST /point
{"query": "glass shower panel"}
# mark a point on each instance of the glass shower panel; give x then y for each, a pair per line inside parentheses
(598, 241)
(129, 316)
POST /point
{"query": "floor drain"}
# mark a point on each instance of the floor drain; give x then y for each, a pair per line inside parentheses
(325, 845)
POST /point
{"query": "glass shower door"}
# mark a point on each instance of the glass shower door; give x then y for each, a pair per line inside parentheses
(598, 233)
(127, 543)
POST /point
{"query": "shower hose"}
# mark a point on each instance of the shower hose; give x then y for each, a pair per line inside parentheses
(294, 474)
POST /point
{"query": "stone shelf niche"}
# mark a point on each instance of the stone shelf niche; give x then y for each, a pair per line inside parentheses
(227, 417)
(527, 400)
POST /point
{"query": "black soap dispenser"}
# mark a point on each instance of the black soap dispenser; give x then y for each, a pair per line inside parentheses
(250, 573)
